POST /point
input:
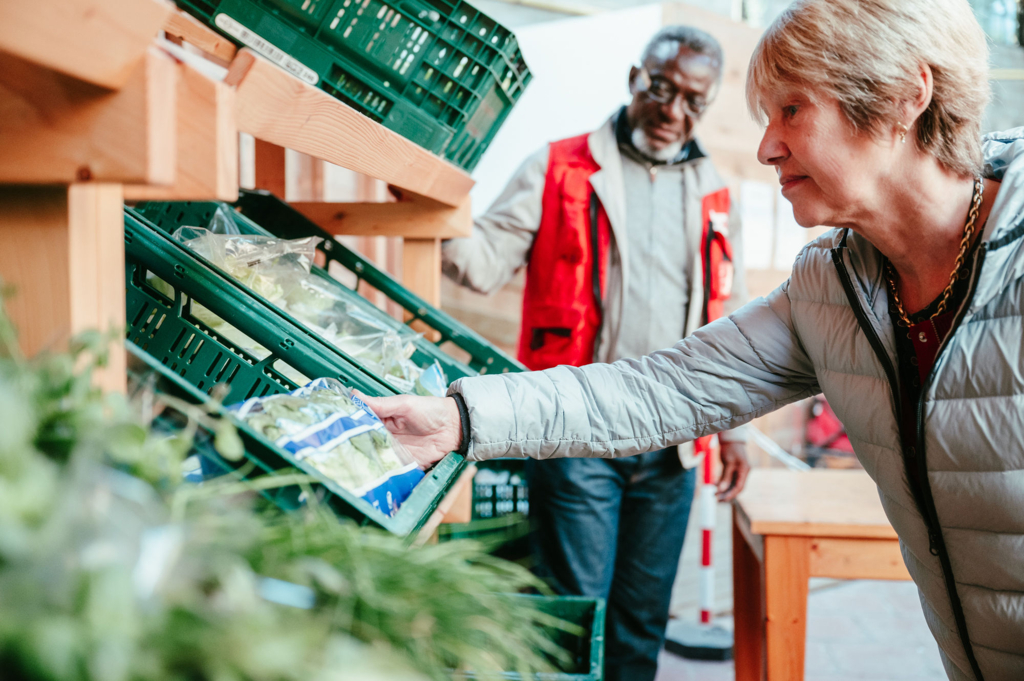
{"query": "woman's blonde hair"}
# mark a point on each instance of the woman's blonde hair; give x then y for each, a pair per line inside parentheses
(867, 55)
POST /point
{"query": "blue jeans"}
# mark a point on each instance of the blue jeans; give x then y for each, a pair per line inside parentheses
(614, 529)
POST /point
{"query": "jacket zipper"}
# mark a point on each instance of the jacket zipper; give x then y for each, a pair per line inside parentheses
(923, 496)
(935, 537)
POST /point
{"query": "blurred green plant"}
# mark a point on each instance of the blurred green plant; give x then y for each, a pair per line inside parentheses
(111, 569)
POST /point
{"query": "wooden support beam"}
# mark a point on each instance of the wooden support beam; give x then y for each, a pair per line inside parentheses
(857, 559)
(275, 106)
(269, 167)
(786, 575)
(309, 179)
(421, 274)
(207, 149)
(190, 30)
(415, 219)
(427, 532)
(63, 251)
(421, 268)
(461, 509)
(97, 41)
(748, 602)
(55, 129)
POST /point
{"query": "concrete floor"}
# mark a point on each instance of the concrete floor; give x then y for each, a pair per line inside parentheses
(855, 631)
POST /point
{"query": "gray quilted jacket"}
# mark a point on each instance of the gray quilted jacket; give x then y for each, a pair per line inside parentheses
(828, 330)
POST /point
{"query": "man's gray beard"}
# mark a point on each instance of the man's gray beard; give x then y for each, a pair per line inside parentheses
(643, 145)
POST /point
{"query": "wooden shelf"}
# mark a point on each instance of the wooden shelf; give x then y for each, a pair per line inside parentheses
(63, 251)
(456, 507)
(183, 27)
(274, 106)
(206, 158)
(58, 130)
(417, 219)
(97, 41)
(95, 111)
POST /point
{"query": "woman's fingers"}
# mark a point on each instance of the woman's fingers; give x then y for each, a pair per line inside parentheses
(379, 406)
(429, 427)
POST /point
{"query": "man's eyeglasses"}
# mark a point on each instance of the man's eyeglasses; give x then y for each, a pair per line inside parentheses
(662, 91)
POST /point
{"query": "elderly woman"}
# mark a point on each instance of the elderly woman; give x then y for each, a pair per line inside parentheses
(907, 315)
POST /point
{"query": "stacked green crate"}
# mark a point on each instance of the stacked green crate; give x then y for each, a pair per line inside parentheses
(586, 651)
(274, 216)
(439, 72)
(499, 506)
(190, 359)
(163, 281)
(500, 511)
(169, 216)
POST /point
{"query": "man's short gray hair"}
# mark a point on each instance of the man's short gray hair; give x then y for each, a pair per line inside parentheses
(676, 37)
(867, 55)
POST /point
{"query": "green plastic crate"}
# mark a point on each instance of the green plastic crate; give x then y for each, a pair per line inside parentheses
(281, 220)
(502, 499)
(182, 346)
(500, 514)
(169, 216)
(438, 72)
(587, 651)
(143, 368)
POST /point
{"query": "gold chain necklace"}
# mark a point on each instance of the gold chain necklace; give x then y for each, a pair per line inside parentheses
(965, 243)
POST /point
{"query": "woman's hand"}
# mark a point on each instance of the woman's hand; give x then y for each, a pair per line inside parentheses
(429, 427)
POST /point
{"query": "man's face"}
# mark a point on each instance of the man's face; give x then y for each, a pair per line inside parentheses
(670, 93)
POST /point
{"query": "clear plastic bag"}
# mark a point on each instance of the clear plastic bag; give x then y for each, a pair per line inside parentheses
(279, 270)
(273, 268)
(324, 425)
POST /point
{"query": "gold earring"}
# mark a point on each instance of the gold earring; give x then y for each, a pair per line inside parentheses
(903, 132)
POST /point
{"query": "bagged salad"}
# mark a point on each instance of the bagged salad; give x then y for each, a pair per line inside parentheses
(331, 430)
(279, 270)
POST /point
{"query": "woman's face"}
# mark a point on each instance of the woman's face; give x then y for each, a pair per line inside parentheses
(829, 172)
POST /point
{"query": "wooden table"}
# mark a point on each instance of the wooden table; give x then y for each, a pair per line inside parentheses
(789, 526)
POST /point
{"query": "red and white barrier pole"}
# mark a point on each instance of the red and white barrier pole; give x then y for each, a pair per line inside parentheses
(708, 502)
(703, 640)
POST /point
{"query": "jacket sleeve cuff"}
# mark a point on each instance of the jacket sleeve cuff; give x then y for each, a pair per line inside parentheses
(460, 402)
(489, 419)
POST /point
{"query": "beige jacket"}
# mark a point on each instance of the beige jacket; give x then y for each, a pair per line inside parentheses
(503, 236)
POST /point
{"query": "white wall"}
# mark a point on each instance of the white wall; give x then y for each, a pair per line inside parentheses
(580, 76)
(581, 70)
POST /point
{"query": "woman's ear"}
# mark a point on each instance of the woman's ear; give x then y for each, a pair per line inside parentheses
(923, 99)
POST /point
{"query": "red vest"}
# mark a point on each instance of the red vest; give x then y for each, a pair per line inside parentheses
(565, 278)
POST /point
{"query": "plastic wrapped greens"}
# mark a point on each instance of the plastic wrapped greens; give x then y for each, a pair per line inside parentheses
(279, 270)
(334, 432)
